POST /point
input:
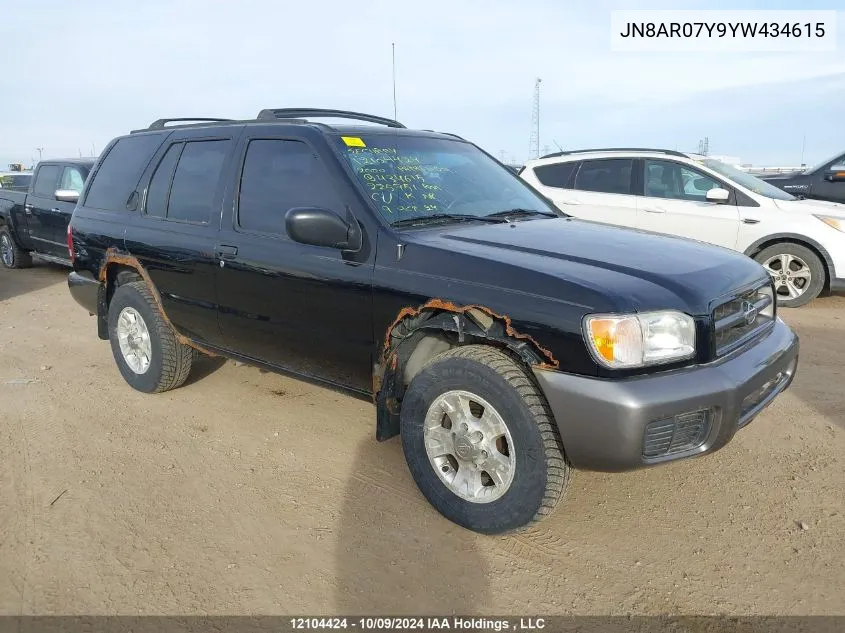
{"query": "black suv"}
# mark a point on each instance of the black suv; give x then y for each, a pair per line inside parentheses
(825, 181)
(506, 343)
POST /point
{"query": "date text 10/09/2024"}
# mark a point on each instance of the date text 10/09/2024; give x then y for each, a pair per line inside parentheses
(419, 624)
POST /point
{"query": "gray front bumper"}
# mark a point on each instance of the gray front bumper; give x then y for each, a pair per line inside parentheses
(602, 422)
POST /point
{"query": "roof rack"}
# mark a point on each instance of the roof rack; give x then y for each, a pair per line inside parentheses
(300, 113)
(160, 124)
(669, 152)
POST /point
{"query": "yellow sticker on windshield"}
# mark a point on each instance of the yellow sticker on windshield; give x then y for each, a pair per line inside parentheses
(353, 141)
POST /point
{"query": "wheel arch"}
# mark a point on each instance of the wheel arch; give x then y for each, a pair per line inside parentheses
(800, 240)
(119, 268)
(419, 334)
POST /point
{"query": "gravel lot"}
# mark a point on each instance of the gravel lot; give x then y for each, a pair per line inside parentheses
(246, 492)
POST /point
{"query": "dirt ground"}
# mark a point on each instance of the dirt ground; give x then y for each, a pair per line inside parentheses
(249, 493)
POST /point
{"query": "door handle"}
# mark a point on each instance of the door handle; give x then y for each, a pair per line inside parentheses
(654, 209)
(224, 251)
(750, 220)
(56, 210)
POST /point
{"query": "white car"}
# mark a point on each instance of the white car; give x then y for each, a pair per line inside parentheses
(801, 243)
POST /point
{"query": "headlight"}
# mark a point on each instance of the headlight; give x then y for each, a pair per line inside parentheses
(634, 340)
(836, 223)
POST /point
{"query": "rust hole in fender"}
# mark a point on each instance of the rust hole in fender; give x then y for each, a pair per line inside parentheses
(477, 312)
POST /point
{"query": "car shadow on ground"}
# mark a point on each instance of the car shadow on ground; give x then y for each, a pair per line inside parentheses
(820, 364)
(398, 555)
(203, 367)
(23, 280)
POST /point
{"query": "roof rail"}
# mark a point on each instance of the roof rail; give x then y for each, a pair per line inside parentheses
(446, 133)
(669, 152)
(300, 113)
(159, 124)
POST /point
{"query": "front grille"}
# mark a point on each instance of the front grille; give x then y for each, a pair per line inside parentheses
(742, 317)
(676, 434)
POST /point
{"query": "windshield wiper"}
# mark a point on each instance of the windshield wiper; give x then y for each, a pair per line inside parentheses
(509, 213)
(439, 217)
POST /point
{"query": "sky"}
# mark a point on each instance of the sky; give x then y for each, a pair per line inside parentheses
(82, 73)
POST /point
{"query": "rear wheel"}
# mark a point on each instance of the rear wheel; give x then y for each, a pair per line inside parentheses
(480, 441)
(150, 357)
(10, 254)
(797, 271)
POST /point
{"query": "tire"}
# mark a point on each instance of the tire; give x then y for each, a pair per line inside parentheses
(802, 264)
(10, 254)
(169, 361)
(492, 380)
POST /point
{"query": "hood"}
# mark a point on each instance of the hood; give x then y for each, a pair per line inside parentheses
(810, 206)
(623, 268)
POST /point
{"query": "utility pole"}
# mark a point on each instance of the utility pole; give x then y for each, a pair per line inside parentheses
(803, 145)
(393, 57)
(40, 151)
(534, 142)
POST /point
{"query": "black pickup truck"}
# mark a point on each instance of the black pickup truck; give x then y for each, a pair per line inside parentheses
(504, 342)
(825, 181)
(35, 222)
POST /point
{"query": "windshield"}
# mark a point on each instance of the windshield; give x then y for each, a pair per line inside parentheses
(415, 177)
(828, 161)
(752, 183)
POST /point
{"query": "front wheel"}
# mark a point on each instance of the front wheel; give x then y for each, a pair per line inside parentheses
(150, 357)
(797, 271)
(480, 441)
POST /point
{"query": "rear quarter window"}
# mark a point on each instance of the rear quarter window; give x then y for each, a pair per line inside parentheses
(120, 170)
(557, 175)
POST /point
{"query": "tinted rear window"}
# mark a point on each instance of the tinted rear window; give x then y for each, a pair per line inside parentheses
(195, 181)
(118, 175)
(555, 175)
(159, 188)
(611, 175)
(15, 182)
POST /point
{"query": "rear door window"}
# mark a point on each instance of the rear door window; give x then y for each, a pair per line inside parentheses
(195, 181)
(117, 176)
(159, 188)
(612, 175)
(46, 181)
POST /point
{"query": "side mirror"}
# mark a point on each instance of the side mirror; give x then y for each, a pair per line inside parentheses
(718, 195)
(321, 227)
(836, 173)
(67, 195)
